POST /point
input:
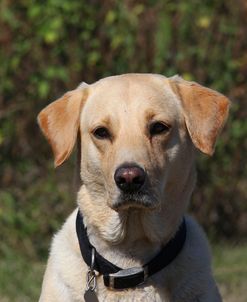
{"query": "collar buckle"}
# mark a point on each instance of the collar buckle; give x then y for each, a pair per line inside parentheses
(126, 278)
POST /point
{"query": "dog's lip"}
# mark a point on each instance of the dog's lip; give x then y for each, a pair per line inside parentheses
(125, 206)
(138, 201)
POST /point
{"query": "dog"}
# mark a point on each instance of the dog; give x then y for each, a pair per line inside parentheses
(139, 137)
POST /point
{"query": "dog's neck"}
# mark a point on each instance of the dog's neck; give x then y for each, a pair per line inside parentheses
(139, 234)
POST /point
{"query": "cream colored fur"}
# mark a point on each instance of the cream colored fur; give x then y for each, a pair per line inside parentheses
(130, 235)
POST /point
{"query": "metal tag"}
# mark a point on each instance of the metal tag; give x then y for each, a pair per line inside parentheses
(90, 296)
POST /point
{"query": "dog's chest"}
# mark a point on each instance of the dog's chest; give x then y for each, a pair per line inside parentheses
(145, 296)
(145, 293)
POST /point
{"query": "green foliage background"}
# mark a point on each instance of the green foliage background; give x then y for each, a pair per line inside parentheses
(50, 46)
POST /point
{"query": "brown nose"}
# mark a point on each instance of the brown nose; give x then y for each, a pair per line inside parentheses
(129, 178)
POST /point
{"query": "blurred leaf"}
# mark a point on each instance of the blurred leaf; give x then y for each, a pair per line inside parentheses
(43, 89)
(204, 22)
(110, 17)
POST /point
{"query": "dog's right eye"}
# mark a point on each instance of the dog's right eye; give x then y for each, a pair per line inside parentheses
(157, 128)
(101, 133)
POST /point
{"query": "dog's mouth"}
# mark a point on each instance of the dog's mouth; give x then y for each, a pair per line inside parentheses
(139, 199)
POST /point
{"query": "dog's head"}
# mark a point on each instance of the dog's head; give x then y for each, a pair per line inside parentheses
(138, 134)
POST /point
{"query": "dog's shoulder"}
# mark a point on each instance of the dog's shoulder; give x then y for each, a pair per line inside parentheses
(65, 238)
(65, 258)
(195, 257)
(190, 274)
(196, 240)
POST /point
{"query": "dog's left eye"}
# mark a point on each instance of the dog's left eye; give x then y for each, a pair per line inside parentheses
(101, 133)
(158, 128)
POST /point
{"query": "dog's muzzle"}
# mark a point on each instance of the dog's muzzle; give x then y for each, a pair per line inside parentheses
(132, 182)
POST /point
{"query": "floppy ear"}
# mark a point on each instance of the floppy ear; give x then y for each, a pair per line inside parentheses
(59, 122)
(205, 112)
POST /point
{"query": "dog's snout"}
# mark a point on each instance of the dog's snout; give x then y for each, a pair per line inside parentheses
(130, 178)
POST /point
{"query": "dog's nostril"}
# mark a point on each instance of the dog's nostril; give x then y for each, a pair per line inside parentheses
(121, 180)
(137, 180)
(129, 178)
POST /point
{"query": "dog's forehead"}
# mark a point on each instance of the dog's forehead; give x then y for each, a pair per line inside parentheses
(131, 93)
(131, 87)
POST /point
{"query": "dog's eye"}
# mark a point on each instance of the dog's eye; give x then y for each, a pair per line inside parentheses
(101, 133)
(158, 128)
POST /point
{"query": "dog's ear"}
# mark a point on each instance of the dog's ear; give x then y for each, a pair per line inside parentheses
(205, 112)
(60, 120)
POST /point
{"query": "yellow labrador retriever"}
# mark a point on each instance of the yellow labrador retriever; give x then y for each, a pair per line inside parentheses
(129, 238)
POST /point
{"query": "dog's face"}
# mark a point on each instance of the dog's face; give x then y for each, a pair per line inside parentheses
(131, 133)
(138, 134)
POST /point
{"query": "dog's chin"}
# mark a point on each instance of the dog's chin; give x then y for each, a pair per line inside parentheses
(137, 200)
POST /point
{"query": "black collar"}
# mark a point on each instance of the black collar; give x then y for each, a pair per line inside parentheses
(117, 278)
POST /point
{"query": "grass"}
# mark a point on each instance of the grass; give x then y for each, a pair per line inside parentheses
(20, 278)
(230, 269)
